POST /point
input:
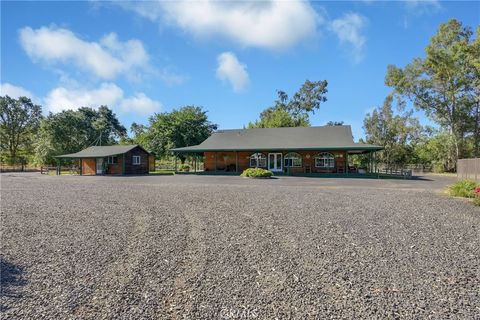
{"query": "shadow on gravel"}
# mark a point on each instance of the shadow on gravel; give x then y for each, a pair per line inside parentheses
(11, 276)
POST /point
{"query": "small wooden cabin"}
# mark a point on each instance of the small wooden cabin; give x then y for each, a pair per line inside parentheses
(118, 159)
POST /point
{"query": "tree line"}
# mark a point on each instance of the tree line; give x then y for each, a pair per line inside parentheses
(445, 84)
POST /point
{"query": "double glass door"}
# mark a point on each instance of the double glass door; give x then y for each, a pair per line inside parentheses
(275, 161)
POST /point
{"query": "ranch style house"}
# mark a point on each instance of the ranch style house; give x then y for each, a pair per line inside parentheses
(117, 159)
(301, 150)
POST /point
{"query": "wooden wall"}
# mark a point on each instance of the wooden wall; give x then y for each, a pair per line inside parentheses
(151, 163)
(225, 159)
(89, 166)
(131, 168)
(115, 168)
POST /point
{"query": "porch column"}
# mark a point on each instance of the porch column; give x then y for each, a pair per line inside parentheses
(346, 163)
(123, 164)
(195, 161)
(236, 161)
(81, 169)
(371, 162)
(175, 155)
(216, 156)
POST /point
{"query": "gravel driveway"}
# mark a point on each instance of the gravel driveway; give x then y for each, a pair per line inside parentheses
(203, 247)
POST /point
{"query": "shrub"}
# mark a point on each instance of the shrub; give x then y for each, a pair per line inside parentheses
(256, 173)
(476, 200)
(463, 188)
(184, 167)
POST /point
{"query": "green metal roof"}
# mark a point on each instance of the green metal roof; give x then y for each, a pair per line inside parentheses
(100, 151)
(288, 138)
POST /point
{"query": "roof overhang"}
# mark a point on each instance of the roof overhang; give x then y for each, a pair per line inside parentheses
(355, 149)
(100, 153)
(75, 156)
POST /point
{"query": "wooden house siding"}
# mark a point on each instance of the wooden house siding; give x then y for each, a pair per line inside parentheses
(221, 160)
(151, 163)
(115, 168)
(141, 168)
(88, 166)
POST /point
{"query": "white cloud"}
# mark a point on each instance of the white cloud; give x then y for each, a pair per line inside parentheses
(141, 104)
(348, 29)
(231, 70)
(423, 4)
(108, 94)
(106, 59)
(264, 24)
(7, 89)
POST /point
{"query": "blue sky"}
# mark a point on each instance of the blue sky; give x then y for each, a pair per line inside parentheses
(228, 57)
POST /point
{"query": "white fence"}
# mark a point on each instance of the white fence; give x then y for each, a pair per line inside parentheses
(468, 169)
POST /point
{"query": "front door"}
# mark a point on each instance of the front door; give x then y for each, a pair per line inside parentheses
(275, 161)
(99, 165)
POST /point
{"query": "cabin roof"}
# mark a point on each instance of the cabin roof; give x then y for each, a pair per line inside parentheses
(101, 151)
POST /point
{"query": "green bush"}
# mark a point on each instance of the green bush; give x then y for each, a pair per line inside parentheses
(438, 167)
(463, 188)
(476, 201)
(184, 167)
(256, 173)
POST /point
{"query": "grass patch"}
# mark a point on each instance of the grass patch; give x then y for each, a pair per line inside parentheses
(54, 172)
(256, 173)
(463, 188)
(162, 172)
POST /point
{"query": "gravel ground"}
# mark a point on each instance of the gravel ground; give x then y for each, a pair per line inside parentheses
(206, 247)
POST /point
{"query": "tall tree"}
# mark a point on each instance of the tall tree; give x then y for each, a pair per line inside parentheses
(335, 123)
(293, 112)
(440, 84)
(19, 120)
(70, 131)
(397, 132)
(182, 127)
(473, 56)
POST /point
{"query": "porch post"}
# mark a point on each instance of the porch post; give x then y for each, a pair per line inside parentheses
(123, 164)
(195, 161)
(175, 155)
(371, 162)
(346, 163)
(81, 169)
(216, 155)
(236, 161)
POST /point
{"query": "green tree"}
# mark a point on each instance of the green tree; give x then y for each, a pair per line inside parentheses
(277, 117)
(335, 123)
(398, 133)
(473, 56)
(441, 83)
(19, 121)
(139, 132)
(437, 150)
(293, 112)
(182, 127)
(70, 131)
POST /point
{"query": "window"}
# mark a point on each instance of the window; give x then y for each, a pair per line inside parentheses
(258, 160)
(325, 160)
(112, 160)
(136, 159)
(293, 159)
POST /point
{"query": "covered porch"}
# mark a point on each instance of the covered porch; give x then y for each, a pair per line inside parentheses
(284, 162)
